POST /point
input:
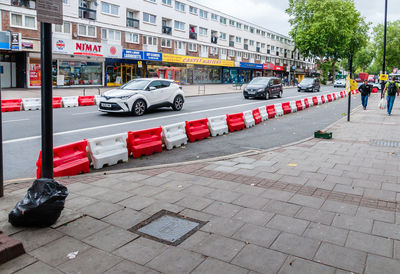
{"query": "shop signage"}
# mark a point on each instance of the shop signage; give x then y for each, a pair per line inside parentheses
(5, 40)
(76, 47)
(15, 38)
(141, 55)
(34, 73)
(251, 65)
(88, 49)
(152, 56)
(280, 68)
(268, 66)
(172, 58)
(27, 45)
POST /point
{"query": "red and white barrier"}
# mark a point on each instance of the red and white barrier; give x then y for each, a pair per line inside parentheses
(70, 101)
(248, 119)
(263, 113)
(278, 109)
(217, 125)
(174, 135)
(31, 103)
(293, 106)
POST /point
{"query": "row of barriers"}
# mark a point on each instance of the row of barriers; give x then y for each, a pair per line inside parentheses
(75, 158)
(9, 105)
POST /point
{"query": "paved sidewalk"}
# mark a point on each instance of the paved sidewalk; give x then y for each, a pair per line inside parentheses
(319, 206)
(190, 90)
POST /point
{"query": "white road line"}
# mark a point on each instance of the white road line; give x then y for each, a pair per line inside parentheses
(142, 121)
(84, 113)
(19, 120)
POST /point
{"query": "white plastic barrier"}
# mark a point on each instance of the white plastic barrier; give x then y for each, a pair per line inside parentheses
(278, 109)
(108, 150)
(174, 135)
(310, 102)
(97, 99)
(303, 104)
(249, 119)
(218, 125)
(70, 101)
(293, 106)
(31, 103)
(319, 100)
(263, 113)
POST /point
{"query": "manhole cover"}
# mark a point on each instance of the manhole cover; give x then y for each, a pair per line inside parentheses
(167, 227)
(385, 143)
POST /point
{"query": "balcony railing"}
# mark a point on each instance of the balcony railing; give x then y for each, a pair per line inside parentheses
(268, 51)
(87, 13)
(167, 30)
(214, 39)
(193, 35)
(132, 23)
(24, 3)
(246, 47)
(231, 43)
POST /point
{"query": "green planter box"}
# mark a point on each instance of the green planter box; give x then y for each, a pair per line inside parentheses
(323, 135)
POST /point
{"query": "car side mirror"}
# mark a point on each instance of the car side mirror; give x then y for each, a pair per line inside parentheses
(152, 88)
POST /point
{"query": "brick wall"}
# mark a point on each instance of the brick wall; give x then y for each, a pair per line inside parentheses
(133, 46)
(166, 50)
(25, 33)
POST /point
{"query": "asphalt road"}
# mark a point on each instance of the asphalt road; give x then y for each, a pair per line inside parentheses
(21, 130)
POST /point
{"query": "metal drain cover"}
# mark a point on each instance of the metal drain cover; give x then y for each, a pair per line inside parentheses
(385, 143)
(167, 227)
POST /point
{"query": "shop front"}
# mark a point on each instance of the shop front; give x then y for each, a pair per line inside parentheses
(268, 69)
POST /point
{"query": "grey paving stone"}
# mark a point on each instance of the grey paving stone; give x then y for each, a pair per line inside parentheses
(294, 265)
(222, 226)
(296, 245)
(250, 190)
(369, 243)
(101, 209)
(78, 187)
(277, 195)
(391, 187)
(289, 171)
(353, 223)
(294, 180)
(67, 215)
(339, 207)
(330, 171)
(176, 260)
(223, 195)
(308, 201)
(326, 233)
(315, 215)
(38, 267)
(386, 230)
(197, 190)
(384, 195)
(126, 267)
(226, 163)
(160, 205)
(338, 180)
(194, 202)
(93, 191)
(222, 209)
(253, 216)
(341, 257)
(244, 160)
(133, 177)
(110, 238)
(199, 215)
(80, 202)
(33, 238)
(222, 184)
(169, 196)
(146, 191)
(257, 235)
(320, 184)
(378, 264)
(137, 202)
(126, 186)
(245, 166)
(213, 266)
(227, 169)
(90, 261)
(17, 263)
(155, 181)
(376, 214)
(55, 253)
(288, 224)
(251, 201)
(126, 218)
(141, 250)
(83, 227)
(269, 175)
(367, 184)
(259, 259)
(354, 190)
(396, 249)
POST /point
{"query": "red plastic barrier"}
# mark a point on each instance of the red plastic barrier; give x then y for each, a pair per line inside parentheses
(315, 101)
(329, 96)
(306, 103)
(144, 142)
(86, 100)
(271, 111)
(374, 90)
(323, 99)
(342, 94)
(68, 160)
(11, 105)
(57, 102)
(235, 122)
(334, 96)
(286, 108)
(299, 105)
(257, 116)
(197, 130)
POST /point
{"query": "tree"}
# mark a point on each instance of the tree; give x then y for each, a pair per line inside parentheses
(328, 29)
(364, 57)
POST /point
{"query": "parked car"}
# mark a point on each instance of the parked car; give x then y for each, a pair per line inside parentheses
(371, 78)
(340, 83)
(359, 80)
(139, 95)
(309, 84)
(263, 87)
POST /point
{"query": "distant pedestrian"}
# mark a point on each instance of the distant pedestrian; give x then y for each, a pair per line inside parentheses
(390, 90)
(365, 90)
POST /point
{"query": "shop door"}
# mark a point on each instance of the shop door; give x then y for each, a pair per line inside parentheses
(127, 72)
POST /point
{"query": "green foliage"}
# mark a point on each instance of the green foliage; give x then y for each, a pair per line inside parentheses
(363, 58)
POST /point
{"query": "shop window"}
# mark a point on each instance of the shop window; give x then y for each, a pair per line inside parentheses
(203, 31)
(179, 25)
(132, 37)
(110, 9)
(166, 43)
(192, 47)
(214, 50)
(239, 54)
(23, 21)
(80, 73)
(245, 55)
(179, 6)
(111, 35)
(149, 18)
(85, 30)
(258, 57)
(64, 28)
(224, 51)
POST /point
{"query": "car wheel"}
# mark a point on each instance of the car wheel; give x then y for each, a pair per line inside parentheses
(178, 103)
(266, 95)
(280, 94)
(139, 107)
(246, 97)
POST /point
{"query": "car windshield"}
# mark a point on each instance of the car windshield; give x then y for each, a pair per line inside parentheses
(259, 81)
(307, 81)
(135, 85)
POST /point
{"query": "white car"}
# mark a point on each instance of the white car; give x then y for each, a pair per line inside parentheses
(138, 95)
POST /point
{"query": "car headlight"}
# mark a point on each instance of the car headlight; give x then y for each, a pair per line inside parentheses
(260, 90)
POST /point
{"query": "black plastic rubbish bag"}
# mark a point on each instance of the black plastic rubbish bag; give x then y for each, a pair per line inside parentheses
(41, 206)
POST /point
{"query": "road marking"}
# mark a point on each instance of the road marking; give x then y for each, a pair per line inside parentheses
(84, 113)
(143, 121)
(19, 120)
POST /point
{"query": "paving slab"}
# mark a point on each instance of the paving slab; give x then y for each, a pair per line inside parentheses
(257, 235)
(296, 245)
(110, 238)
(213, 266)
(288, 224)
(295, 265)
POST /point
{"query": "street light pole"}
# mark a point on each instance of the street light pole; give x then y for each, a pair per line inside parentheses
(384, 48)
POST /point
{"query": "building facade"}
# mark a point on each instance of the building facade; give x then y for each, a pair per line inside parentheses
(107, 43)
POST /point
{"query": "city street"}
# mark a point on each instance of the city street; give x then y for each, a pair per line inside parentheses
(21, 130)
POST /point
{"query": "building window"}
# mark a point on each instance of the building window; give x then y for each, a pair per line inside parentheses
(167, 2)
(239, 26)
(245, 55)
(238, 39)
(214, 17)
(179, 25)
(246, 27)
(109, 8)
(232, 23)
(263, 33)
(151, 1)
(263, 46)
(166, 43)
(213, 50)
(180, 45)
(251, 55)
(222, 36)
(272, 48)
(252, 30)
(203, 31)
(132, 19)
(193, 10)
(231, 53)
(111, 35)
(192, 47)
(23, 21)
(203, 14)
(258, 57)
(224, 51)
(239, 54)
(149, 18)
(85, 30)
(132, 37)
(204, 49)
(251, 43)
(179, 6)
(64, 28)
(222, 20)
(149, 40)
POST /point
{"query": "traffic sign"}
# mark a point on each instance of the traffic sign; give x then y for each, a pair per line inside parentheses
(384, 77)
(353, 84)
(50, 11)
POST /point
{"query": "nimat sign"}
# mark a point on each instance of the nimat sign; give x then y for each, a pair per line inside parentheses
(172, 58)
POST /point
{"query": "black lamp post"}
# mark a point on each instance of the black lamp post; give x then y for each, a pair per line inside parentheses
(384, 48)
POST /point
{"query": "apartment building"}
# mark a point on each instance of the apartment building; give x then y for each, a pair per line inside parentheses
(107, 43)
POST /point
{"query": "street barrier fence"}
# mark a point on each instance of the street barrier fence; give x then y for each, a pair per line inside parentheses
(70, 101)
(248, 119)
(293, 107)
(257, 116)
(144, 142)
(235, 122)
(218, 125)
(57, 102)
(31, 103)
(197, 130)
(174, 135)
(279, 109)
(263, 113)
(299, 105)
(11, 105)
(286, 108)
(86, 100)
(271, 111)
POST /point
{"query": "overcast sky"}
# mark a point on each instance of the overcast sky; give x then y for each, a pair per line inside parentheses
(271, 13)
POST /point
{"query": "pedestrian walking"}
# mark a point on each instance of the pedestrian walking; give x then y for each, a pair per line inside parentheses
(390, 90)
(365, 90)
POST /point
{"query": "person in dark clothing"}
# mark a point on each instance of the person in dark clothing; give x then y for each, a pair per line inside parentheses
(365, 90)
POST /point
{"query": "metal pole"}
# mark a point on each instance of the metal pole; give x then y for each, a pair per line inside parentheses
(384, 48)
(47, 101)
(1, 149)
(349, 95)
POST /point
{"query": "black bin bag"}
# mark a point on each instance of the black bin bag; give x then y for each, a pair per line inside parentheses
(41, 206)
